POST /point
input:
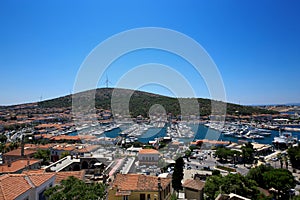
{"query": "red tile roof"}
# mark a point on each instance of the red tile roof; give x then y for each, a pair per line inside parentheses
(87, 149)
(38, 146)
(65, 137)
(64, 175)
(194, 184)
(17, 152)
(14, 185)
(139, 182)
(148, 151)
(39, 179)
(17, 165)
(64, 148)
(212, 142)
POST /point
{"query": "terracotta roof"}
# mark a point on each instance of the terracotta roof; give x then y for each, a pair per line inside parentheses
(148, 151)
(43, 126)
(17, 165)
(39, 146)
(64, 148)
(34, 171)
(46, 136)
(39, 178)
(212, 141)
(194, 184)
(17, 152)
(65, 137)
(139, 182)
(64, 175)
(14, 185)
(87, 149)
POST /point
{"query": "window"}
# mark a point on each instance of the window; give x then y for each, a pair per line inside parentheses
(41, 195)
(142, 197)
(148, 197)
(125, 198)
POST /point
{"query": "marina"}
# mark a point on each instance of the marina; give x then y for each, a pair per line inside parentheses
(184, 132)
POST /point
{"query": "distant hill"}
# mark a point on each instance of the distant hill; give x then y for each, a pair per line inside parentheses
(141, 102)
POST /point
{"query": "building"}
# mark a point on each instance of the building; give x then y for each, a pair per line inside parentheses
(66, 174)
(25, 187)
(207, 144)
(193, 189)
(57, 151)
(18, 154)
(231, 196)
(148, 157)
(140, 187)
(18, 166)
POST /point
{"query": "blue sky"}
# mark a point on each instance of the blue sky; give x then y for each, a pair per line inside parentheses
(255, 45)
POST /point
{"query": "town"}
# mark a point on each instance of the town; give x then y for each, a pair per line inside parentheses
(42, 157)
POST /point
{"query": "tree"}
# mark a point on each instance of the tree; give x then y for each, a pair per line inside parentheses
(294, 154)
(232, 183)
(267, 177)
(178, 174)
(216, 172)
(3, 138)
(188, 153)
(256, 174)
(64, 154)
(13, 145)
(44, 155)
(73, 188)
(221, 153)
(280, 179)
(248, 153)
(213, 186)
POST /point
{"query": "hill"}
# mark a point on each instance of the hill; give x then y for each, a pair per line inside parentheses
(141, 102)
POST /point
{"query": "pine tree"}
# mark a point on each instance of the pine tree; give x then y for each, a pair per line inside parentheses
(178, 174)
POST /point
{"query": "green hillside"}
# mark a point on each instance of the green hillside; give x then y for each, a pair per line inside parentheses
(141, 102)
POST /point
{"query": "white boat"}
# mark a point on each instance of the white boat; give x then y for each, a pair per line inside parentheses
(264, 133)
(284, 139)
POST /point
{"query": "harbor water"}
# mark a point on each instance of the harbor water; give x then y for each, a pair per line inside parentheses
(201, 132)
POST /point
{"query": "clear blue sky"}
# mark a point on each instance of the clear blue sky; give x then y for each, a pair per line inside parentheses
(255, 44)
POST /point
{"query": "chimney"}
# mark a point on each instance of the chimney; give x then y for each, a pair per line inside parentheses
(28, 163)
(22, 146)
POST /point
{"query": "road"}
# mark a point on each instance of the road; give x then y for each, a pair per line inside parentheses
(211, 162)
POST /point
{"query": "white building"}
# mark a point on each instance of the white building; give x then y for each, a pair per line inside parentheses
(25, 186)
(148, 157)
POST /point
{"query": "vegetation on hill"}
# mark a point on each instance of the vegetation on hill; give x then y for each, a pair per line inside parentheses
(44, 155)
(232, 183)
(294, 154)
(141, 102)
(73, 188)
(265, 177)
(268, 177)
